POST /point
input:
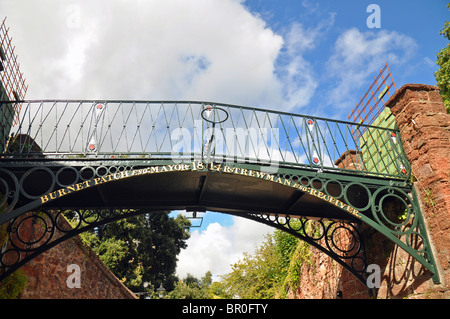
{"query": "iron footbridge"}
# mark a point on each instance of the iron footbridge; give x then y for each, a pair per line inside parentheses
(91, 162)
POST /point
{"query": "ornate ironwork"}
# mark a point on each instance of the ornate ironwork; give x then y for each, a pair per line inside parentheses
(72, 146)
(186, 129)
(340, 240)
(391, 210)
(31, 234)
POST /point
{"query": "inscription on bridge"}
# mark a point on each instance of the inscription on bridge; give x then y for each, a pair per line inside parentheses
(192, 167)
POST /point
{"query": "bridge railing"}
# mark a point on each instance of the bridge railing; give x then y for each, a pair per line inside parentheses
(186, 130)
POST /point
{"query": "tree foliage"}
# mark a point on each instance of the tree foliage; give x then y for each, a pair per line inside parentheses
(141, 249)
(192, 288)
(443, 60)
(267, 273)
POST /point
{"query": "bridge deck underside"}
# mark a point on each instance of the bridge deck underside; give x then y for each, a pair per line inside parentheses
(200, 191)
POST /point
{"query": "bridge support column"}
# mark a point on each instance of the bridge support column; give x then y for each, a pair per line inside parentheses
(425, 131)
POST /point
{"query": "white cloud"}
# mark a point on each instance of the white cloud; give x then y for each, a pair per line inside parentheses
(297, 74)
(359, 55)
(218, 247)
(200, 50)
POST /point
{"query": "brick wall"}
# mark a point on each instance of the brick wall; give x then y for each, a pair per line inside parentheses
(323, 278)
(48, 273)
(425, 130)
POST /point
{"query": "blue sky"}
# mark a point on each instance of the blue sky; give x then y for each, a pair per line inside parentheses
(303, 56)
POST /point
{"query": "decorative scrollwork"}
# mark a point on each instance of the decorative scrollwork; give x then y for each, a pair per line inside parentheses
(33, 233)
(26, 234)
(394, 209)
(9, 190)
(341, 241)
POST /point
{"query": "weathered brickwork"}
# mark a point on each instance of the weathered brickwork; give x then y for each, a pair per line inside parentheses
(425, 131)
(48, 274)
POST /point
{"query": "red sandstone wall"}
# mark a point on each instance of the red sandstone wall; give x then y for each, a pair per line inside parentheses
(47, 275)
(324, 278)
(425, 131)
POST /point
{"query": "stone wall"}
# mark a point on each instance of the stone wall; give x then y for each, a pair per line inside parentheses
(425, 131)
(48, 275)
(324, 278)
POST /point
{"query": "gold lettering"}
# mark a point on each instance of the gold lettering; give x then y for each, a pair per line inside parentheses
(71, 188)
(227, 169)
(44, 199)
(61, 192)
(97, 180)
(154, 169)
(137, 172)
(260, 174)
(243, 171)
(52, 194)
(287, 182)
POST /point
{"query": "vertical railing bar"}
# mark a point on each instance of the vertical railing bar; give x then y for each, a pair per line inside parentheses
(197, 141)
(148, 107)
(371, 157)
(121, 132)
(300, 141)
(65, 131)
(53, 131)
(325, 143)
(260, 131)
(274, 137)
(344, 140)
(288, 138)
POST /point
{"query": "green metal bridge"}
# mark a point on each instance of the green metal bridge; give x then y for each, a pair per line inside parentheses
(98, 161)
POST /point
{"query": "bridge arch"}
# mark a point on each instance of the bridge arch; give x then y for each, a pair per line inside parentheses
(269, 166)
(327, 208)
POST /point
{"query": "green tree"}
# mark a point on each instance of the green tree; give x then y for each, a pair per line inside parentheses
(141, 248)
(267, 273)
(443, 60)
(192, 288)
(258, 275)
